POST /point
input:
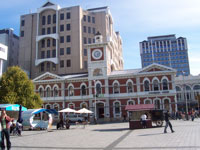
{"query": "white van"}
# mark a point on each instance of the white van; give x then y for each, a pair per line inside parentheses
(74, 117)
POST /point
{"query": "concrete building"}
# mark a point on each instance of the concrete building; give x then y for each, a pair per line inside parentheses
(9, 39)
(53, 39)
(106, 91)
(166, 50)
(3, 58)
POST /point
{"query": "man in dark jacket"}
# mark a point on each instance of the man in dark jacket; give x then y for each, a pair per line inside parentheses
(5, 124)
(168, 122)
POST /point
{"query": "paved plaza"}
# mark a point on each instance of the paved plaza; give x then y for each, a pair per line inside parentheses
(115, 136)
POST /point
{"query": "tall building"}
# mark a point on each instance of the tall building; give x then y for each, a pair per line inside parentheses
(9, 39)
(166, 50)
(54, 39)
(3, 58)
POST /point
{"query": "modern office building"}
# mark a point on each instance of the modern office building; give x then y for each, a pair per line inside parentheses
(53, 39)
(166, 50)
(9, 39)
(3, 58)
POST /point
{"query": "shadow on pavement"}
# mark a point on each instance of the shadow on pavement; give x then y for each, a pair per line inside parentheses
(150, 134)
(111, 130)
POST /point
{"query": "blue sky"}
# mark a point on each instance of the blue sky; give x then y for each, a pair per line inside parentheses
(134, 19)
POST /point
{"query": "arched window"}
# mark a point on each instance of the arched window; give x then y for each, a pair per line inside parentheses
(71, 91)
(157, 104)
(98, 88)
(41, 92)
(166, 104)
(129, 87)
(188, 92)
(48, 92)
(116, 88)
(148, 101)
(146, 85)
(83, 90)
(131, 102)
(178, 93)
(55, 91)
(155, 85)
(83, 105)
(165, 84)
(48, 106)
(71, 105)
(196, 89)
(117, 107)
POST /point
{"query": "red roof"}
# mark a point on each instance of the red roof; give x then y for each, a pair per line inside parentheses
(139, 107)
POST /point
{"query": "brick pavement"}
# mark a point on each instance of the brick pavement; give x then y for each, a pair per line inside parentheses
(114, 136)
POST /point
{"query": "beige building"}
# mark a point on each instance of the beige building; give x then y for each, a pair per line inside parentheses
(55, 39)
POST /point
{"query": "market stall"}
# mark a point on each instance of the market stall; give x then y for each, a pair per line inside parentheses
(38, 118)
(135, 113)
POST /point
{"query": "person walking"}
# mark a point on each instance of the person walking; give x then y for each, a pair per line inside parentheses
(168, 122)
(5, 124)
(144, 119)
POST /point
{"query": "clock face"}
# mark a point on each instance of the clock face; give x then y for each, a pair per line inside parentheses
(97, 54)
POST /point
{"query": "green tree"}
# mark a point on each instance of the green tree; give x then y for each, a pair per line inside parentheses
(16, 88)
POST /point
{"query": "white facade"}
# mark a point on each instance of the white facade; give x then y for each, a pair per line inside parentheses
(3, 57)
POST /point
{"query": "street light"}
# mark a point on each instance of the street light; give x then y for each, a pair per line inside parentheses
(185, 95)
(95, 105)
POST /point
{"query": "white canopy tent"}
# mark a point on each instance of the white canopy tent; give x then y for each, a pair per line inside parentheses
(84, 111)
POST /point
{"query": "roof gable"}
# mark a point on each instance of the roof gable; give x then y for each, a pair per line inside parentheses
(48, 4)
(47, 76)
(156, 68)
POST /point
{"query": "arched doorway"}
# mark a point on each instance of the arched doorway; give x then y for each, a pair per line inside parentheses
(100, 110)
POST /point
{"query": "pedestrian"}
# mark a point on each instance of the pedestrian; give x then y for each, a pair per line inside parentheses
(5, 124)
(144, 119)
(168, 122)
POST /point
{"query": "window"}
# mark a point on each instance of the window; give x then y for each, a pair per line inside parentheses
(155, 85)
(61, 16)
(22, 22)
(42, 67)
(54, 67)
(22, 34)
(71, 91)
(93, 31)
(48, 43)
(131, 102)
(68, 63)
(85, 52)
(61, 28)
(61, 63)
(83, 90)
(84, 29)
(43, 43)
(85, 40)
(89, 40)
(42, 54)
(68, 38)
(68, 27)
(68, 15)
(48, 66)
(84, 17)
(48, 53)
(61, 51)
(117, 107)
(146, 85)
(54, 42)
(54, 18)
(54, 53)
(41, 92)
(116, 88)
(54, 29)
(55, 92)
(98, 88)
(49, 30)
(43, 20)
(48, 92)
(68, 50)
(93, 19)
(88, 18)
(61, 39)
(165, 84)
(85, 64)
(89, 29)
(129, 87)
(49, 19)
(157, 104)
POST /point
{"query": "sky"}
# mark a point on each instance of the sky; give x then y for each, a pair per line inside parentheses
(134, 19)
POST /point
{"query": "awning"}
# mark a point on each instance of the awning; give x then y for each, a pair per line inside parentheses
(50, 111)
(139, 107)
(11, 107)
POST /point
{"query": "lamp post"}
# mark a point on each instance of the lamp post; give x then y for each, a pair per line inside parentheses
(185, 95)
(95, 105)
